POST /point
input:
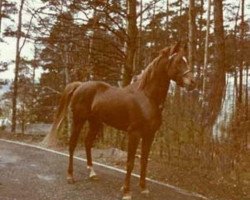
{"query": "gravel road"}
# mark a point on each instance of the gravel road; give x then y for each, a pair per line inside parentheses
(28, 173)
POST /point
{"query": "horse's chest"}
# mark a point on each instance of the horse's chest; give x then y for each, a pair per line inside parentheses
(151, 116)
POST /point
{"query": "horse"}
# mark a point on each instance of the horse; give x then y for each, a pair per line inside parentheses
(135, 108)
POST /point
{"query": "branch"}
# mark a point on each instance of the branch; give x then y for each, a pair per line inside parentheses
(51, 89)
(149, 6)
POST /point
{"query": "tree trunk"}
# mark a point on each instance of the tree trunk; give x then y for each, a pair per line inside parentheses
(131, 42)
(218, 78)
(1, 5)
(139, 51)
(67, 81)
(91, 43)
(191, 35)
(199, 41)
(17, 63)
(180, 11)
(246, 91)
(235, 51)
(167, 23)
(206, 48)
(153, 34)
(241, 53)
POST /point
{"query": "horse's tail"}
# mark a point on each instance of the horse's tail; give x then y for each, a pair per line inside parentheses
(51, 138)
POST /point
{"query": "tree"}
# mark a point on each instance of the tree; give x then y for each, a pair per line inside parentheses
(218, 76)
(206, 49)
(26, 102)
(6, 10)
(131, 43)
(191, 35)
(17, 62)
(241, 56)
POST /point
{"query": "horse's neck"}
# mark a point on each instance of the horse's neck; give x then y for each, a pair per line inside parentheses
(157, 88)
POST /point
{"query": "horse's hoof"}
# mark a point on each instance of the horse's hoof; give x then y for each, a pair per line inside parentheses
(145, 192)
(93, 177)
(70, 180)
(92, 174)
(127, 196)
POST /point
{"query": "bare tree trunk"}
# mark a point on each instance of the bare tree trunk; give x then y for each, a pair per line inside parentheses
(191, 33)
(206, 48)
(246, 95)
(153, 34)
(240, 97)
(17, 63)
(67, 81)
(167, 22)
(139, 51)
(199, 41)
(180, 11)
(235, 52)
(218, 79)
(131, 42)
(91, 43)
(1, 5)
(22, 116)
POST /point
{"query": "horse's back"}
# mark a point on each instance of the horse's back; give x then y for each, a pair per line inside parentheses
(85, 93)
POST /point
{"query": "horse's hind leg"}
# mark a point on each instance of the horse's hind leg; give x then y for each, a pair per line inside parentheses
(77, 125)
(95, 128)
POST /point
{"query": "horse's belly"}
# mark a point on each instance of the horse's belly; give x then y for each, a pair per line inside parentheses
(118, 121)
(112, 115)
(120, 110)
(117, 125)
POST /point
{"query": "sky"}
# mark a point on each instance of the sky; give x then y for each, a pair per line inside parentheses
(7, 49)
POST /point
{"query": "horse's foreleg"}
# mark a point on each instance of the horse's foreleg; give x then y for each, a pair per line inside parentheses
(132, 146)
(146, 145)
(94, 129)
(76, 128)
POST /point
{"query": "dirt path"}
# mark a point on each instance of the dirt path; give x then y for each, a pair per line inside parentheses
(30, 173)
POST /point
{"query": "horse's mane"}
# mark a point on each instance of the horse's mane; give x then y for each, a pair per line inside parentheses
(149, 71)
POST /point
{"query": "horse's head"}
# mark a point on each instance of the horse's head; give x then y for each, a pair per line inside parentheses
(177, 67)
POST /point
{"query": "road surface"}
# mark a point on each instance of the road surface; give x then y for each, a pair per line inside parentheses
(28, 173)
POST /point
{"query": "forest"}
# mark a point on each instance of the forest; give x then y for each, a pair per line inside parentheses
(203, 144)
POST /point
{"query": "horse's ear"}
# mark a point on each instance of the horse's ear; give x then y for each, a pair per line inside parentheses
(175, 48)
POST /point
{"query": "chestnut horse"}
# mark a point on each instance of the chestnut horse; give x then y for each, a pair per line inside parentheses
(135, 108)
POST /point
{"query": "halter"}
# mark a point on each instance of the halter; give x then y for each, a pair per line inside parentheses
(186, 72)
(170, 57)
